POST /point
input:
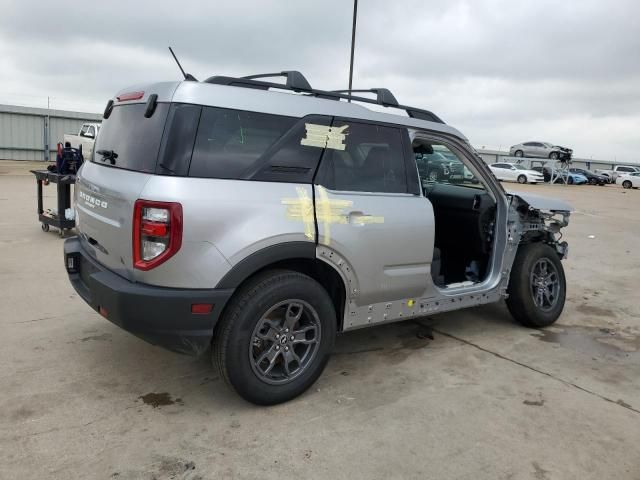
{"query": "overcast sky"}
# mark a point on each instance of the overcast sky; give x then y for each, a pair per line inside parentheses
(501, 71)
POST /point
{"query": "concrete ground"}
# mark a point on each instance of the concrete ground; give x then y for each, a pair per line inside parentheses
(484, 399)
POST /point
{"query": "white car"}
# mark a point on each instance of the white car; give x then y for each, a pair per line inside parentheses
(512, 172)
(629, 180)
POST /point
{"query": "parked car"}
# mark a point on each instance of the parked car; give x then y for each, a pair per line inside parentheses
(541, 150)
(512, 172)
(435, 166)
(613, 173)
(85, 138)
(222, 213)
(629, 180)
(592, 178)
(560, 176)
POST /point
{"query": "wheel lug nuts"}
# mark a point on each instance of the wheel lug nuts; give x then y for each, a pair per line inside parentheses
(286, 330)
(286, 349)
(277, 347)
(277, 335)
(292, 338)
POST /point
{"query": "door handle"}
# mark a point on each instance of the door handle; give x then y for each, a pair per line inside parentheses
(357, 217)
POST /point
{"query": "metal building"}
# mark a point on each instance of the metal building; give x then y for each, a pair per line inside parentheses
(28, 133)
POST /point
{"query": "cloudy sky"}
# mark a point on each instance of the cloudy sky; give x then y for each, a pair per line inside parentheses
(502, 71)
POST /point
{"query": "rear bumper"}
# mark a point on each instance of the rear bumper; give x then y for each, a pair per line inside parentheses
(161, 316)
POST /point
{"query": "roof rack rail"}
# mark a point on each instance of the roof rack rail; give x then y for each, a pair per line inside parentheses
(295, 81)
(298, 83)
(383, 95)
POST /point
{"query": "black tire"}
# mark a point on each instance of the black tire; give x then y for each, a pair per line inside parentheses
(593, 181)
(522, 179)
(235, 335)
(570, 180)
(521, 302)
(627, 184)
(554, 156)
(519, 153)
(45, 227)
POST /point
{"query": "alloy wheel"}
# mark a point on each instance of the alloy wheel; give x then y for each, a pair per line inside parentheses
(545, 284)
(285, 341)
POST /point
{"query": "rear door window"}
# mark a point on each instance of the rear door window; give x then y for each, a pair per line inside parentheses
(229, 142)
(364, 157)
(133, 139)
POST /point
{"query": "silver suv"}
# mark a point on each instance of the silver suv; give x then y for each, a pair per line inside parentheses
(263, 218)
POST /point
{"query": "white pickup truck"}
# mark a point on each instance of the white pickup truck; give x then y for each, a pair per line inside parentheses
(617, 170)
(85, 137)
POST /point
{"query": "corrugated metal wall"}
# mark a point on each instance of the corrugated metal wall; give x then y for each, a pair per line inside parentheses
(22, 130)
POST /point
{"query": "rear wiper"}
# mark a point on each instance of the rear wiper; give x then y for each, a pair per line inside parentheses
(108, 155)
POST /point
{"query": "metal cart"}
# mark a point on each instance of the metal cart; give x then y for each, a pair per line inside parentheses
(63, 183)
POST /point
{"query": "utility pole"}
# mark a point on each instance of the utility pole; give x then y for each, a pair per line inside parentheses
(47, 121)
(353, 44)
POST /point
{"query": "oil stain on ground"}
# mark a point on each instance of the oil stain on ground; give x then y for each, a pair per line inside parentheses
(597, 311)
(592, 341)
(160, 399)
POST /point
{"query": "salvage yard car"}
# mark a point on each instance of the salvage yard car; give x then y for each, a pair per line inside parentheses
(541, 150)
(616, 171)
(629, 180)
(512, 172)
(85, 139)
(262, 218)
(592, 178)
(561, 176)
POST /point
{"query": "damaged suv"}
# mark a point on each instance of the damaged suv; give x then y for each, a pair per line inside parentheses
(261, 219)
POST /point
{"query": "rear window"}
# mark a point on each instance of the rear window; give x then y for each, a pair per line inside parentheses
(229, 142)
(132, 137)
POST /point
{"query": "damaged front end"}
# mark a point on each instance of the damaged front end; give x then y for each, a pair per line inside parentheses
(533, 218)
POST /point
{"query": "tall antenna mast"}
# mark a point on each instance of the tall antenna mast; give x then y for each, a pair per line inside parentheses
(187, 76)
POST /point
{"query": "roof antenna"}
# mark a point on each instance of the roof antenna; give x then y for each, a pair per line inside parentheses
(187, 76)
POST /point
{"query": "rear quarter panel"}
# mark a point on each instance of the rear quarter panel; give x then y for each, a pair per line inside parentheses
(224, 221)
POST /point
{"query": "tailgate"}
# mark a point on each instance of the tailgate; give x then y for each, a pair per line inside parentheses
(104, 214)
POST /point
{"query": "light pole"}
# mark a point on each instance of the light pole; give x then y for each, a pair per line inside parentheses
(353, 44)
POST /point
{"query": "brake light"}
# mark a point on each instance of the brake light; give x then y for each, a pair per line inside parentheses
(157, 232)
(127, 97)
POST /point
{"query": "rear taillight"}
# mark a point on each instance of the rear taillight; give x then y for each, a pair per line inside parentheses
(157, 232)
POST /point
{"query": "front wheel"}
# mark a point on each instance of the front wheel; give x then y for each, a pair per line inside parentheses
(537, 286)
(275, 337)
(553, 155)
(593, 181)
(522, 179)
(626, 184)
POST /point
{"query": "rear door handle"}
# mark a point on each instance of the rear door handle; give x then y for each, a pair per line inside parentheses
(358, 217)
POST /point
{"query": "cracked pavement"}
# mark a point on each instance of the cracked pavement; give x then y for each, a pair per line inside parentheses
(462, 395)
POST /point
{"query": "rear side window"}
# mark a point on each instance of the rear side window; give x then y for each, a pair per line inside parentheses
(364, 158)
(229, 142)
(132, 137)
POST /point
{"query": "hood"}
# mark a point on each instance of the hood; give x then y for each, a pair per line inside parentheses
(543, 203)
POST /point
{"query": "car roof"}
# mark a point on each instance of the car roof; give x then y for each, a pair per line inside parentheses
(274, 102)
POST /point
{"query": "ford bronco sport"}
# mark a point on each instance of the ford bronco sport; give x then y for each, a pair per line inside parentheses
(263, 218)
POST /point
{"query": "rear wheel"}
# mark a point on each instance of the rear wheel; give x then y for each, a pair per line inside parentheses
(626, 184)
(537, 286)
(519, 153)
(522, 179)
(570, 180)
(276, 336)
